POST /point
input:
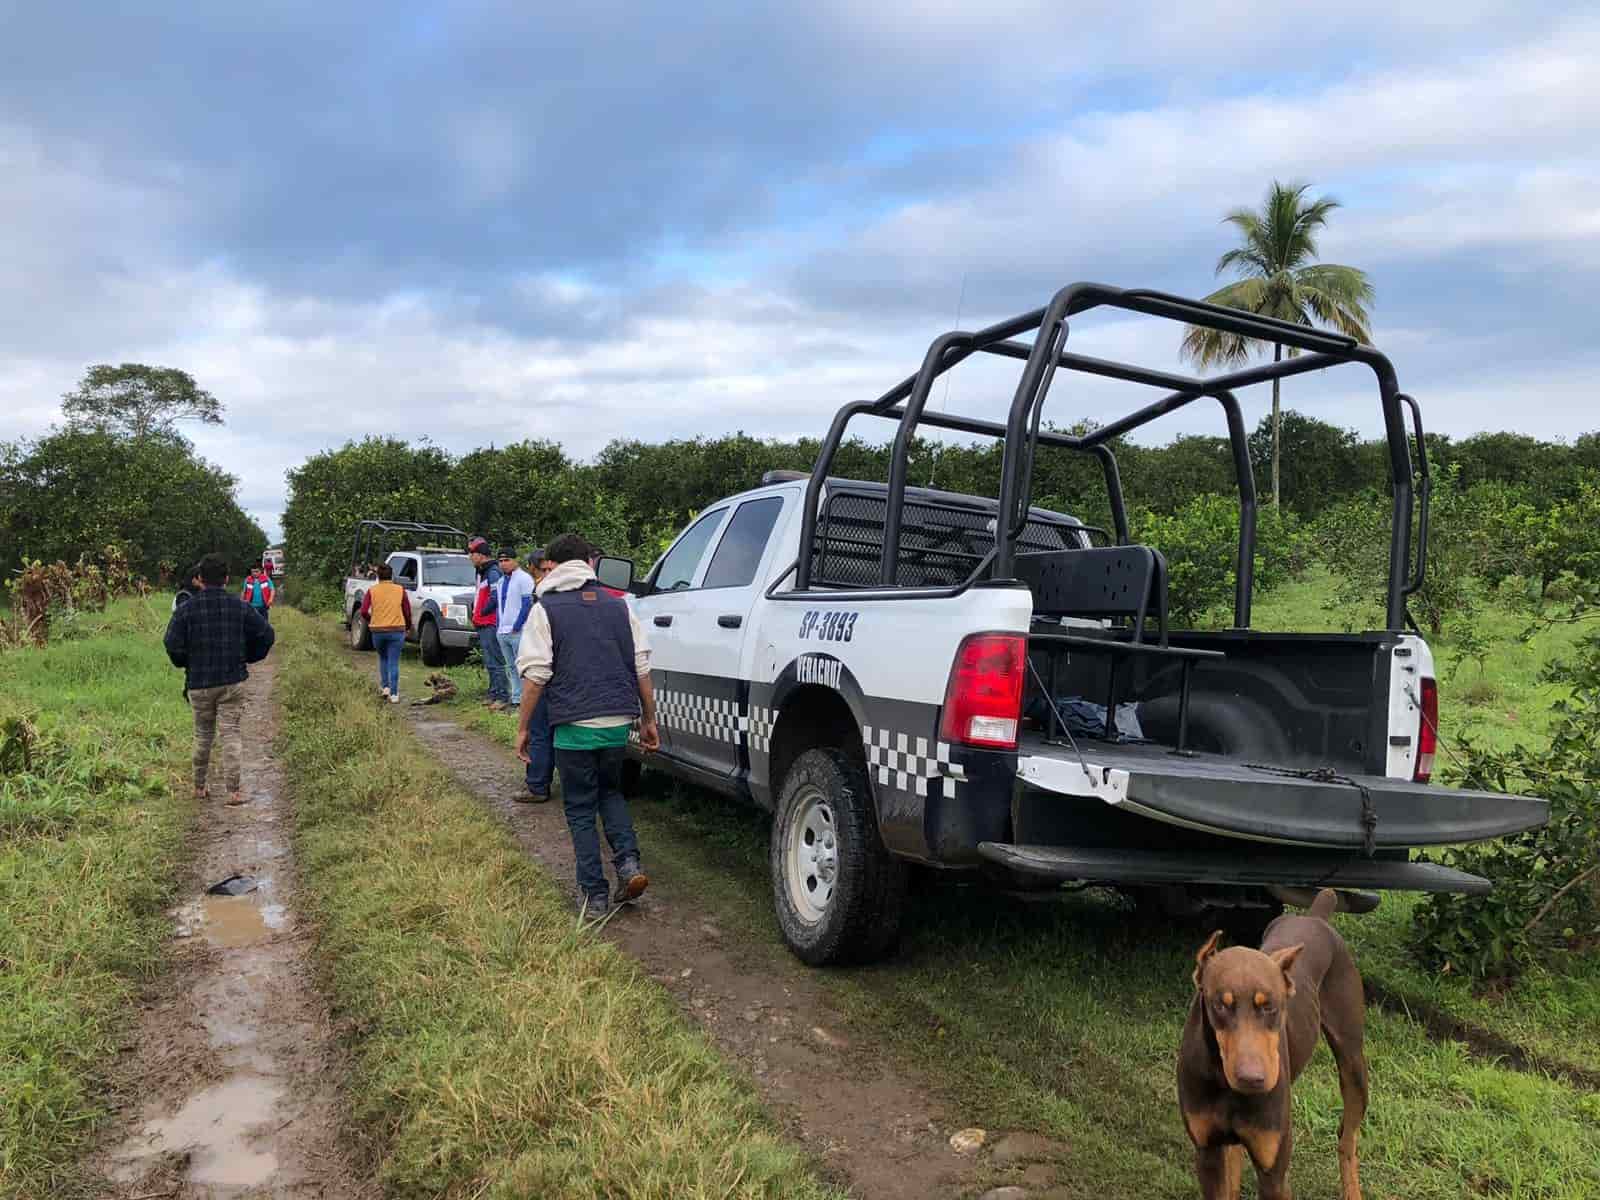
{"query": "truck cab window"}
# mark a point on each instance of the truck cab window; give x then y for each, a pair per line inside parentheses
(677, 569)
(739, 553)
(405, 572)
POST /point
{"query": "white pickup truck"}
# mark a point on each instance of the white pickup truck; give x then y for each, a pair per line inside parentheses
(902, 675)
(440, 579)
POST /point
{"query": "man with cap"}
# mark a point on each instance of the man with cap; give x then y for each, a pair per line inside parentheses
(484, 620)
(513, 601)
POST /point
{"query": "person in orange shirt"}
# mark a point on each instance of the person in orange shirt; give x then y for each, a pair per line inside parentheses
(387, 611)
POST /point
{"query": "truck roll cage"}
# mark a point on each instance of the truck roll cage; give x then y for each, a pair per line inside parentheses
(374, 539)
(1022, 433)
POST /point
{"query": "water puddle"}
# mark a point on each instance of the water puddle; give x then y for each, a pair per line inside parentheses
(231, 922)
(215, 1126)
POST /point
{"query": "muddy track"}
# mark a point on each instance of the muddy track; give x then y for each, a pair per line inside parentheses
(876, 1129)
(231, 1083)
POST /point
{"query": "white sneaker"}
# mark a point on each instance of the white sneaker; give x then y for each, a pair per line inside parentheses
(395, 699)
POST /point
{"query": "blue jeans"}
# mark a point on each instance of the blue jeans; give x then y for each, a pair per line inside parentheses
(508, 658)
(489, 647)
(591, 785)
(388, 647)
(541, 749)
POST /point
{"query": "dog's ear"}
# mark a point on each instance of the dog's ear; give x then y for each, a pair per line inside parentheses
(1204, 953)
(1285, 959)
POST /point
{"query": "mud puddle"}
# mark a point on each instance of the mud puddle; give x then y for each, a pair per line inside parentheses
(233, 1080)
(873, 1126)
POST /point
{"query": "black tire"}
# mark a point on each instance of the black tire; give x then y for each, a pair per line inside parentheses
(428, 639)
(826, 793)
(360, 635)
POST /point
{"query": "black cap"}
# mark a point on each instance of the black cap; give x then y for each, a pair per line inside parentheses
(507, 552)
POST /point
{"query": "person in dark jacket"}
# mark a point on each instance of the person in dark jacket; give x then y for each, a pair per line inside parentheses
(485, 619)
(583, 648)
(212, 638)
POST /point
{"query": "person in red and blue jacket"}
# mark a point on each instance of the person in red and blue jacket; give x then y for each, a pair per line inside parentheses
(485, 619)
(258, 591)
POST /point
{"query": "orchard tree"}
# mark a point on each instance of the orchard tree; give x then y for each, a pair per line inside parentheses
(138, 400)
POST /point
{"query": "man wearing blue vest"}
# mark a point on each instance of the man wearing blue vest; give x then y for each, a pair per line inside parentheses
(582, 648)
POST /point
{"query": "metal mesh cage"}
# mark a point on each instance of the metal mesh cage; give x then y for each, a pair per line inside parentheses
(940, 545)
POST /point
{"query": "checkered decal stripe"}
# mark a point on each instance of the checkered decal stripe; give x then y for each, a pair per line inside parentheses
(690, 712)
(759, 727)
(904, 763)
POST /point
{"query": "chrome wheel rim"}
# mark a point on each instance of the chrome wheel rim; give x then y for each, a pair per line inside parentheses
(811, 854)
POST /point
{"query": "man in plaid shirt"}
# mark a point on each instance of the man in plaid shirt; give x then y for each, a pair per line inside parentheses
(212, 638)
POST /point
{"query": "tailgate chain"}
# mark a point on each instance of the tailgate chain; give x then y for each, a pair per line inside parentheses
(1369, 811)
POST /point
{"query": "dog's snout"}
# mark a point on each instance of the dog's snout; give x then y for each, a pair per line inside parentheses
(1250, 1076)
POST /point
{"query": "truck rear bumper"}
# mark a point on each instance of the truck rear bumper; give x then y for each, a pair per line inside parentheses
(1060, 864)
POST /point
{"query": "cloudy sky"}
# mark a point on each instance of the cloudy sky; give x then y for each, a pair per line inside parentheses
(479, 222)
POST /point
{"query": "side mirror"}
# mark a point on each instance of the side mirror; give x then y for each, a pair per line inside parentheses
(615, 573)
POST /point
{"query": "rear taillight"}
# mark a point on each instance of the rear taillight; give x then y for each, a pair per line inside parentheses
(1428, 733)
(983, 702)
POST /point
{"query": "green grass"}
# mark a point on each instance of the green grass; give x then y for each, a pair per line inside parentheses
(498, 1050)
(90, 846)
(1064, 1017)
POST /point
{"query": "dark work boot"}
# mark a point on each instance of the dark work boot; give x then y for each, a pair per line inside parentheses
(596, 907)
(631, 882)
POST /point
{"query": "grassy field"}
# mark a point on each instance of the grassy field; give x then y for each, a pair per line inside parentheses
(498, 1051)
(1063, 1017)
(90, 841)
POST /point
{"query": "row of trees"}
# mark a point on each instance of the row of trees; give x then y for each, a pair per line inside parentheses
(120, 475)
(634, 493)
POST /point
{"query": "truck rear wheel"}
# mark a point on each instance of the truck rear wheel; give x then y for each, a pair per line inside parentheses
(360, 635)
(838, 894)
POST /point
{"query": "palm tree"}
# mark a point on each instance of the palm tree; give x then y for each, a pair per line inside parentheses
(1279, 277)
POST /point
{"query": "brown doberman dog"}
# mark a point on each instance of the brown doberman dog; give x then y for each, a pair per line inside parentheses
(1252, 1027)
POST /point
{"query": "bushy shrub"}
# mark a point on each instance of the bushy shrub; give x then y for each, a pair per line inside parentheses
(1200, 542)
(310, 595)
(1546, 895)
(1353, 539)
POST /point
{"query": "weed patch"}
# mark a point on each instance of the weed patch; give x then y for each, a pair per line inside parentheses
(498, 1050)
(92, 813)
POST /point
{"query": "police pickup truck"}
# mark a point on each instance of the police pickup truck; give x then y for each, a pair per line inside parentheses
(908, 676)
(433, 568)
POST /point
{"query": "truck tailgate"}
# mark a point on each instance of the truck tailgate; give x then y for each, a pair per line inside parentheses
(1222, 797)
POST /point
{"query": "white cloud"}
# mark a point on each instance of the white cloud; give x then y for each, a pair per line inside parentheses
(1483, 157)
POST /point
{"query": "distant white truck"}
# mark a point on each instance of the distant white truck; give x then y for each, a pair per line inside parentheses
(436, 572)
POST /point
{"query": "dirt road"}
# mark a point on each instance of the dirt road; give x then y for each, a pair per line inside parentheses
(876, 1129)
(231, 1080)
